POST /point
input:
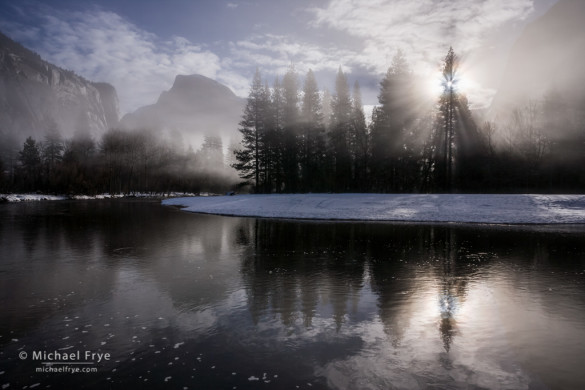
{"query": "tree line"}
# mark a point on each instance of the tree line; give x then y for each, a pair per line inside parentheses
(297, 138)
(120, 162)
(303, 140)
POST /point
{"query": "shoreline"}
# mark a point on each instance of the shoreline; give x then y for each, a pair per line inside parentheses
(498, 209)
(18, 198)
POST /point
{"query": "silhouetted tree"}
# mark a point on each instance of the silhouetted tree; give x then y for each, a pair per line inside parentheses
(458, 150)
(291, 131)
(359, 141)
(392, 161)
(252, 128)
(275, 140)
(52, 153)
(30, 164)
(339, 133)
(313, 136)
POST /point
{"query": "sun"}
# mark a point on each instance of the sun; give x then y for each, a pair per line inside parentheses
(437, 84)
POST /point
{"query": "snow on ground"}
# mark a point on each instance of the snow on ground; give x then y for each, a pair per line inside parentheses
(476, 208)
(39, 197)
(29, 197)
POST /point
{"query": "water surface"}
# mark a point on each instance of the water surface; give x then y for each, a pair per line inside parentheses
(182, 300)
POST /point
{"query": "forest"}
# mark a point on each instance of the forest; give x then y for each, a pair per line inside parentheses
(309, 141)
(121, 162)
(301, 139)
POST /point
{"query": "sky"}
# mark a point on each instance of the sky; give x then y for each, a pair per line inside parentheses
(139, 46)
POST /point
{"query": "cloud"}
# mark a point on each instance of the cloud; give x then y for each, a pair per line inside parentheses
(427, 26)
(362, 36)
(103, 46)
(275, 53)
(424, 29)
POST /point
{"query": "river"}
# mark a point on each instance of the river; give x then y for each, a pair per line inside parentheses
(160, 298)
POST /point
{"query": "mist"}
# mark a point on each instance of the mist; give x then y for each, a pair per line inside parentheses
(122, 161)
(412, 126)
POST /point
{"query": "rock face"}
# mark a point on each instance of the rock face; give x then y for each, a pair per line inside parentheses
(547, 56)
(195, 106)
(34, 94)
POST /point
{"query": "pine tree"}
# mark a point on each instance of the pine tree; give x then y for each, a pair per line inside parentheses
(391, 124)
(252, 128)
(275, 136)
(313, 141)
(30, 163)
(339, 133)
(212, 152)
(52, 152)
(360, 141)
(291, 130)
(458, 145)
(326, 107)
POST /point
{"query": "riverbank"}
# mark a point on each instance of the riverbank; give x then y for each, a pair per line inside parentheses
(11, 198)
(462, 208)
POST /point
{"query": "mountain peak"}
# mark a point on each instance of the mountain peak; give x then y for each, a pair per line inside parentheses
(197, 89)
(195, 104)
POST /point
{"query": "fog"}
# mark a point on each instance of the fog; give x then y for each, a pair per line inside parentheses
(547, 58)
(195, 106)
(427, 127)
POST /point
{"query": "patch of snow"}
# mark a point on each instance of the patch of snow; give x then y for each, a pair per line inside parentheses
(464, 208)
(11, 198)
(29, 197)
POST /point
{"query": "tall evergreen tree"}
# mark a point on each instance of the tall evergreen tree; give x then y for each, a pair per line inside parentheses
(276, 137)
(359, 141)
(339, 133)
(30, 163)
(212, 152)
(313, 139)
(326, 107)
(52, 152)
(458, 146)
(252, 128)
(391, 124)
(290, 156)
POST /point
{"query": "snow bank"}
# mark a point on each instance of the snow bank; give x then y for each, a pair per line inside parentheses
(29, 197)
(39, 197)
(506, 209)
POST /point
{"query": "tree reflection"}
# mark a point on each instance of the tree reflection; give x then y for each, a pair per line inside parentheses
(297, 272)
(452, 290)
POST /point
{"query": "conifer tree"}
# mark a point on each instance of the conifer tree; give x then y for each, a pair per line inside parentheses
(276, 136)
(339, 133)
(391, 124)
(326, 107)
(212, 152)
(360, 141)
(252, 128)
(290, 158)
(52, 152)
(458, 144)
(313, 141)
(30, 163)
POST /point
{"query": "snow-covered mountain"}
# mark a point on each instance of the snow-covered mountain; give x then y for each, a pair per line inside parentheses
(195, 106)
(35, 93)
(548, 56)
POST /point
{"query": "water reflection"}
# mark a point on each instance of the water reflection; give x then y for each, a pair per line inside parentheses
(335, 305)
